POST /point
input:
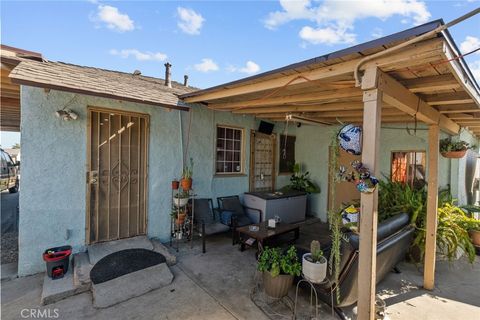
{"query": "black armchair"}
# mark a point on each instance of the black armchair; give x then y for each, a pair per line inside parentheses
(234, 214)
(206, 219)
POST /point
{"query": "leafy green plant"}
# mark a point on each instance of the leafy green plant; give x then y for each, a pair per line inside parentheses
(316, 252)
(188, 170)
(300, 181)
(276, 262)
(452, 235)
(448, 144)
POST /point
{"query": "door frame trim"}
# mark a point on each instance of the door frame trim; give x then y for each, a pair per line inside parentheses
(146, 116)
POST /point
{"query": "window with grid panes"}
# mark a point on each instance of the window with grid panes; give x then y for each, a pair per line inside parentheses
(229, 153)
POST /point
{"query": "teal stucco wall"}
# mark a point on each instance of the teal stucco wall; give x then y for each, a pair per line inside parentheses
(53, 195)
(53, 186)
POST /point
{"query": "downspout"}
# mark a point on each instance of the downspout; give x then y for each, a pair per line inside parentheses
(356, 72)
(181, 137)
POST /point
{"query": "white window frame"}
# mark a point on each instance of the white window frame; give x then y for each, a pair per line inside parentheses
(242, 151)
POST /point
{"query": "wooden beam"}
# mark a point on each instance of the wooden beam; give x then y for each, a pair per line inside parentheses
(447, 98)
(431, 83)
(367, 264)
(469, 107)
(395, 94)
(320, 96)
(459, 74)
(460, 116)
(340, 106)
(418, 51)
(432, 207)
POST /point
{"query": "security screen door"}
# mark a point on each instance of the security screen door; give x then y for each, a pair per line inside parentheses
(262, 162)
(116, 174)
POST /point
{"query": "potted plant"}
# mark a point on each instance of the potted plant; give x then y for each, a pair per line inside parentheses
(175, 184)
(279, 270)
(181, 199)
(300, 181)
(187, 173)
(314, 264)
(179, 216)
(454, 149)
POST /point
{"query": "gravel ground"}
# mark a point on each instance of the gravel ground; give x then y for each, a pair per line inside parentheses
(9, 247)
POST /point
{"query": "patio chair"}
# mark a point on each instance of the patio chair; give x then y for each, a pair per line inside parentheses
(234, 214)
(394, 237)
(206, 219)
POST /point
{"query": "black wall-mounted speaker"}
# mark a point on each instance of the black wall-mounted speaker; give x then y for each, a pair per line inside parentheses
(265, 127)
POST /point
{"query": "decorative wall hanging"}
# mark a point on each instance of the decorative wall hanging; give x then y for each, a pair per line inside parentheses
(350, 139)
(364, 182)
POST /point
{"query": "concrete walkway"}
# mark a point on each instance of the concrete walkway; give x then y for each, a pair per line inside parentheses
(217, 285)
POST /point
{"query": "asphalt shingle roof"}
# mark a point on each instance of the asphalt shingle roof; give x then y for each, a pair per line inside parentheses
(100, 82)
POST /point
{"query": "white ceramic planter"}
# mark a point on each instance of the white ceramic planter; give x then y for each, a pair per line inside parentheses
(180, 202)
(314, 272)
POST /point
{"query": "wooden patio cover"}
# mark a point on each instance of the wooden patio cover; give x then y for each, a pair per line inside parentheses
(427, 81)
(324, 88)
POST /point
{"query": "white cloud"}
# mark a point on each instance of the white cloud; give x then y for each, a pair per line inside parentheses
(206, 65)
(326, 35)
(114, 19)
(470, 44)
(333, 19)
(475, 68)
(377, 33)
(249, 68)
(190, 21)
(139, 55)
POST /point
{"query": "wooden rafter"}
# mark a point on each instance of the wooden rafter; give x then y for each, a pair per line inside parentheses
(448, 98)
(431, 83)
(339, 106)
(469, 107)
(395, 94)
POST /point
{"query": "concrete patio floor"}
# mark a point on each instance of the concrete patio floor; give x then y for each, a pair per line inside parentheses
(218, 284)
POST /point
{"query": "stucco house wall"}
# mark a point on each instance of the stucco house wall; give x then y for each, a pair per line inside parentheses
(53, 195)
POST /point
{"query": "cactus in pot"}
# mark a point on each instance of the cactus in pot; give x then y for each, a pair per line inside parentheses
(314, 264)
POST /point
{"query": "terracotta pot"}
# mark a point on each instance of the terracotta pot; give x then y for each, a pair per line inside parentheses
(180, 218)
(475, 236)
(454, 154)
(175, 185)
(277, 287)
(186, 184)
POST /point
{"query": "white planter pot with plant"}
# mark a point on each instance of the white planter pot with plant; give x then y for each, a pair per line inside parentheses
(314, 264)
(180, 199)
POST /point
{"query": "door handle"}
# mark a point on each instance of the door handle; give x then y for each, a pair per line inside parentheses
(92, 177)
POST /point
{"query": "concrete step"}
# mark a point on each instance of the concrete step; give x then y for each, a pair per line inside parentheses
(99, 250)
(160, 248)
(81, 269)
(58, 289)
(131, 285)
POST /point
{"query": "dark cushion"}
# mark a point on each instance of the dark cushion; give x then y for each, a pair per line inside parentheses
(242, 220)
(232, 204)
(385, 229)
(215, 228)
(226, 217)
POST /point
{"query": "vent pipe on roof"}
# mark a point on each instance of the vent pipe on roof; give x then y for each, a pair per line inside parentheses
(185, 80)
(168, 75)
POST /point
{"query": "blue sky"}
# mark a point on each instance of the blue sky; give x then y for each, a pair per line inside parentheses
(215, 41)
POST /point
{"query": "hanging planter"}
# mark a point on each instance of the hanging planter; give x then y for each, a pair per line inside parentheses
(187, 173)
(454, 149)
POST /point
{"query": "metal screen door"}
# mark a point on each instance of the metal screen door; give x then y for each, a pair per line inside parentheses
(262, 162)
(116, 174)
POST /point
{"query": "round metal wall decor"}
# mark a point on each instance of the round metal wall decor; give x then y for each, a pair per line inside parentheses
(350, 139)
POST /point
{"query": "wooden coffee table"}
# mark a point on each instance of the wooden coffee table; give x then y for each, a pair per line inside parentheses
(265, 234)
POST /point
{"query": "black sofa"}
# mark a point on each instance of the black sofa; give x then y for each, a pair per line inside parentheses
(394, 237)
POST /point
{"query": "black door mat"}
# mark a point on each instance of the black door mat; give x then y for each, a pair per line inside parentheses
(123, 262)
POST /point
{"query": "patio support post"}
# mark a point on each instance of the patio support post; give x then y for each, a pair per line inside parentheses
(432, 206)
(372, 98)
